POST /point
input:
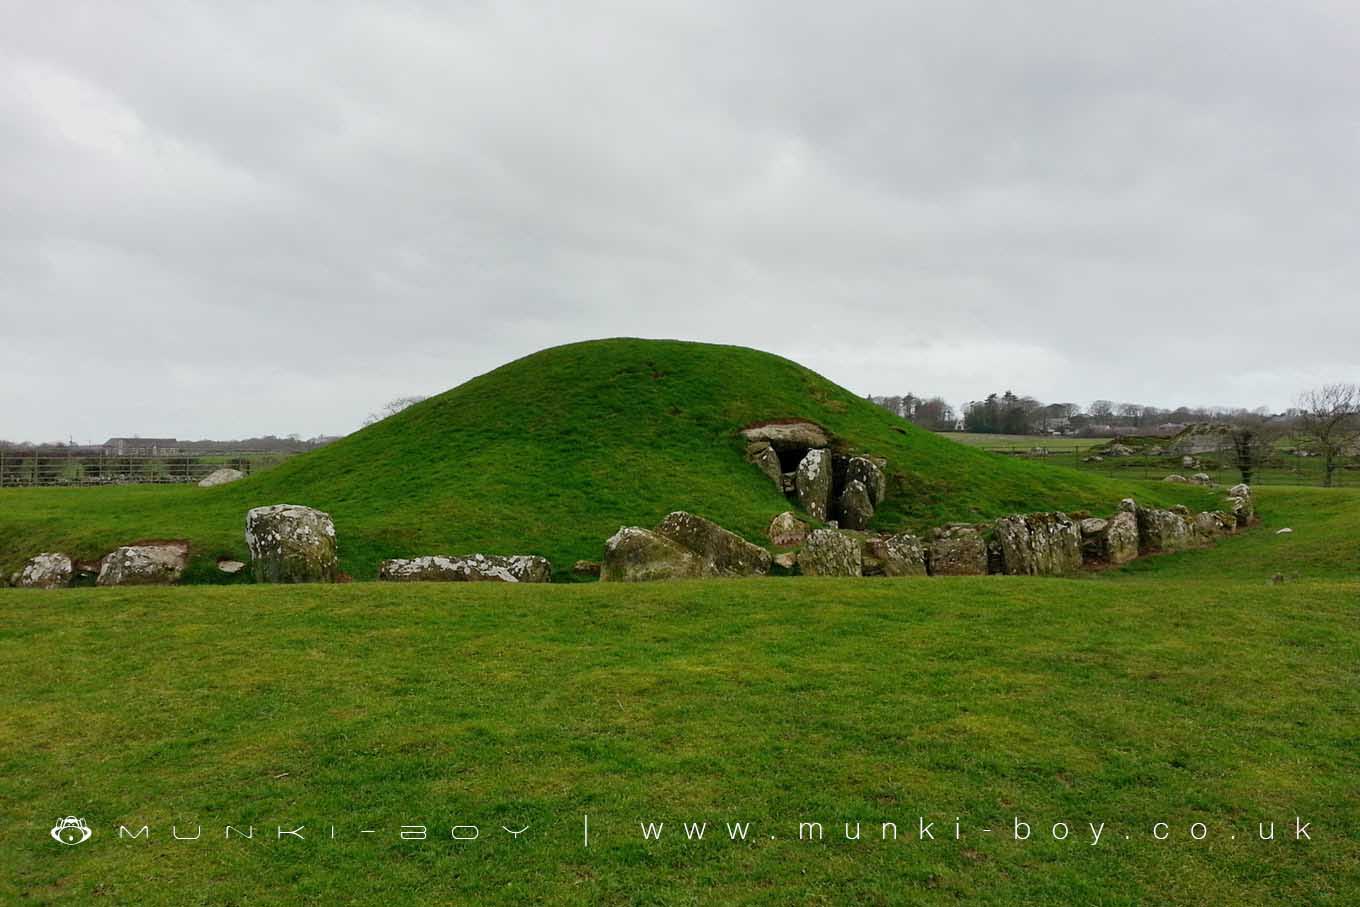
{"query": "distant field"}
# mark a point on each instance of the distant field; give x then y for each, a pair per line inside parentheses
(1023, 442)
(1184, 689)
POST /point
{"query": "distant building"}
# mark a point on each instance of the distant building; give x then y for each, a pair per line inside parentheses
(142, 447)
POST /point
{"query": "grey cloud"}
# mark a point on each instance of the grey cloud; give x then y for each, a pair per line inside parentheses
(273, 217)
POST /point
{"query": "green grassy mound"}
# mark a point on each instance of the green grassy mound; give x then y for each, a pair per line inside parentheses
(1128, 698)
(551, 454)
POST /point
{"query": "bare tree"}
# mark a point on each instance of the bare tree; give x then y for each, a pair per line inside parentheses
(1330, 415)
(1247, 444)
(391, 408)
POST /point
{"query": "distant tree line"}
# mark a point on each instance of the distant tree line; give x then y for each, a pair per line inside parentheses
(930, 413)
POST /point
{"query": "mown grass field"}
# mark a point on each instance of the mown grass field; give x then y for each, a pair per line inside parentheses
(1184, 689)
(549, 455)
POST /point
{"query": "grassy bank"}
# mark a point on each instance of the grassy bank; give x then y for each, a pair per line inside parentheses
(551, 454)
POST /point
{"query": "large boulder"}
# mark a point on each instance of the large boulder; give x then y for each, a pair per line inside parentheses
(1113, 541)
(1038, 544)
(220, 477)
(1213, 525)
(813, 483)
(290, 543)
(1164, 530)
(792, 434)
(855, 507)
(634, 554)
(766, 460)
(958, 550)
(893, 555)
(870, 472)
(158, 564)
(723, 553)
(830, 552)
(1241, 505)
(49, 570)
(471, 568)
(786, 529)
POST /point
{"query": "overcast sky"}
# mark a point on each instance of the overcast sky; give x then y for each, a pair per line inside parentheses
(232, 219)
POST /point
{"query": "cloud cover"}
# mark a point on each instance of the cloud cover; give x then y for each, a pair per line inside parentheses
(272, 218)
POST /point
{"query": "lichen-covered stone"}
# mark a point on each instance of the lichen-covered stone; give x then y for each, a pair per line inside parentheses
(722, 552)
(792, 434)
(958, 550)
(1213, 525)
(586, 568)
(1241, 505)
(869, 472)
(471, 568)
(1202, 478)
(1164, 530)
(49, 570)
(766, 460)
(855, 508)
(634, 554)
(813, 482)
(1176, 479)
(1038, 544)
(221, 477)
(830, 552)
(290, 543)
(144, 565)
(893, 555)
(1113, 541)
(786, 529)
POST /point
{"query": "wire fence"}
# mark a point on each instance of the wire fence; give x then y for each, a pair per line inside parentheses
(71, 468)
(1282, 468)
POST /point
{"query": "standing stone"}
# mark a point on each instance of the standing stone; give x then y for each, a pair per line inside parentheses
(1164, 530)
(856, 508)
(1242, 505)
(1038, 544)
(863, 469)
(472, 568)
(893, 555)
(220, 477)
(144, 565)
(958, 550)
(723, 553)
(634, 554)
(786, 529)
(1113, 541)
(814, 484)
(49, 570)
(830, 552)
(290, 543)
(766, 460)
(1213, 525)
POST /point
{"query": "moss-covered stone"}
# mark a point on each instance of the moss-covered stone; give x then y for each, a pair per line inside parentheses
(722, 553)
(830, 552)
(634, 554)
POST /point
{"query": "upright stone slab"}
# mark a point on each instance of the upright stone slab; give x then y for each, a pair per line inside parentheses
(1164, 530)
(49, 570)
(958, 550)
(814, 482)
(1113, 541)
(290, 543)
(1241, 505)
(830, 552)
(856, 508)
(1038, 544)
(786, 529)
(723, 553)
(144, 565)
(893, 555)
(766, 459)
(1211, 526)
(869, 472)
(634, 554)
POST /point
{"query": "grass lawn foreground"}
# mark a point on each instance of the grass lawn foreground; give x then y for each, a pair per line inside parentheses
(1183, 689)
